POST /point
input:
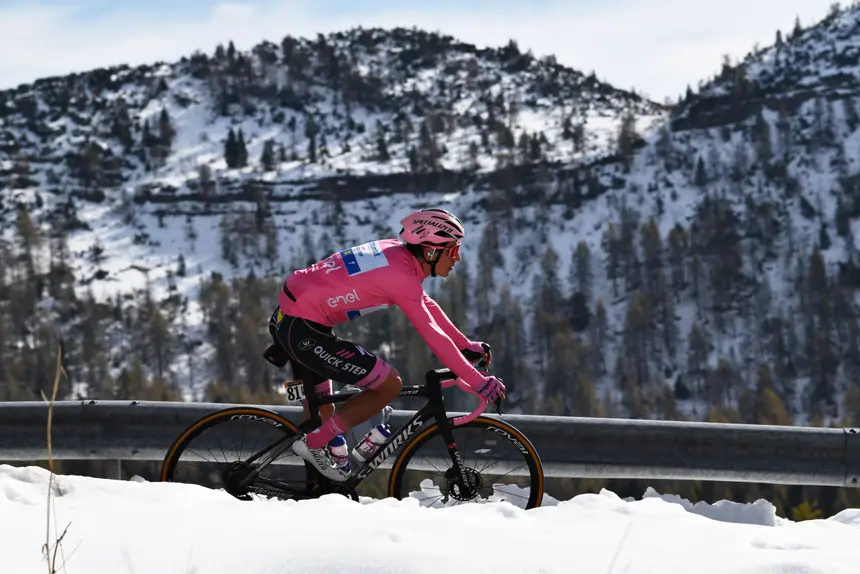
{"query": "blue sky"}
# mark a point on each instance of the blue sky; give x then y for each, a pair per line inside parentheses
(655, 46)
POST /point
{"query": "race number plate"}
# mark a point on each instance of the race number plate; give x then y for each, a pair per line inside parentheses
(295, 391)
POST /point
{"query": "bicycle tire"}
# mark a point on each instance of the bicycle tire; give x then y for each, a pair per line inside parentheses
(501, 428)
(263, 416)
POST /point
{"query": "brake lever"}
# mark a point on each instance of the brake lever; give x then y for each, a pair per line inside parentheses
(483, 367)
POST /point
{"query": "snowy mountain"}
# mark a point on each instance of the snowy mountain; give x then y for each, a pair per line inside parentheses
(140, 165)
(341, 115)
(240, 163)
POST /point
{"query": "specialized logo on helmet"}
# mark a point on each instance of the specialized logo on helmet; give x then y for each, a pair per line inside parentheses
(433, 223)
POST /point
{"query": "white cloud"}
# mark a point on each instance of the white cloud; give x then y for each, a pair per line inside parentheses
(656, 46)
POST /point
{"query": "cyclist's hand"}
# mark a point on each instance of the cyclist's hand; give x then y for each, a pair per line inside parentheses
(478, 351)
(491, 389)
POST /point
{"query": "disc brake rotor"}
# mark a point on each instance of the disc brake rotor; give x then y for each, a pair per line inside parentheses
(452, 488)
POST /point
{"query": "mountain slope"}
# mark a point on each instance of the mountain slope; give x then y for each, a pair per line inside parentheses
(342, 90)
(162, 177)
(345, 105)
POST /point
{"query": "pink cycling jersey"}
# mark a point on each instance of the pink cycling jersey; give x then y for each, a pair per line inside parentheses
(370, 277)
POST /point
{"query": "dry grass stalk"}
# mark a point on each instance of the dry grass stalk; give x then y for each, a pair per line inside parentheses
(48, 550)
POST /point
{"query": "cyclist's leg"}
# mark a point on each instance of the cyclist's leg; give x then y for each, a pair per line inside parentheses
(278, 355)
(323, 389)
(370, 401)
(324, 353)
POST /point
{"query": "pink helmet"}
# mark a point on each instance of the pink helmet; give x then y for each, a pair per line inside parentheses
(431, 227)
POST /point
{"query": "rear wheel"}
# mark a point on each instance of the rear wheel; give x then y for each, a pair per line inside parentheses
(500, 463)
(211, 453)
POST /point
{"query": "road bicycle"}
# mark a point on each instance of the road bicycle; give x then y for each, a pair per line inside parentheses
(471, 458)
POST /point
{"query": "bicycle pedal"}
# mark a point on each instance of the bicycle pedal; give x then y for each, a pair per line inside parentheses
(347, 492)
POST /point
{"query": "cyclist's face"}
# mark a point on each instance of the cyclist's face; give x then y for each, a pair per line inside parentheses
(450, 256)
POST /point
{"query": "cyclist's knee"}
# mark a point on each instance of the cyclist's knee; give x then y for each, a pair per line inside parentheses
(392, 384)
(326, 411)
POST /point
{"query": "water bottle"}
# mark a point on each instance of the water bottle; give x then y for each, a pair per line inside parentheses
(339, 452)
(371, 441)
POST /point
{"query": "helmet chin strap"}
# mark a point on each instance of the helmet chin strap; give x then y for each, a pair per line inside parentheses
(435, 254)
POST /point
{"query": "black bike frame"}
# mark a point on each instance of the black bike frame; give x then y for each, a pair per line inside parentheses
(433, 409)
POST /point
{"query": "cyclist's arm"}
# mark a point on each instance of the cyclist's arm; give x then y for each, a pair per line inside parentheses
(411, 301)
(459, 339)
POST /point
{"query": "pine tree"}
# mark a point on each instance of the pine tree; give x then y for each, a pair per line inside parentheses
(323, 146)
(568, 375)
(312, 130)
(721, 383)
(797, 30)
(627, 137)
(771, 410)
(204, 173)
(121, 123)
(581, 276)
(580, 281)
(427, 152)
(382, 154)
(631, 266)
(676, 257)
(851, 404)
(510, 337)
(852, 118)
(635, 344)
(131, 382)
(166, 131)
(700, 178)
(652, 259)
(231, 149)
(159, 339)
(821, 347)
(547, 300)
(822, 124)
(762, 139)
(612, 248)
(599, 338)
(697, 361)
(491, 258)
(241, 150)
(267, 156)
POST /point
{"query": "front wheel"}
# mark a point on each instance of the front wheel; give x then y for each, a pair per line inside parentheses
(500, 463)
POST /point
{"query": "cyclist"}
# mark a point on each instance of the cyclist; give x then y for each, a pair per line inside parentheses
(350, 284)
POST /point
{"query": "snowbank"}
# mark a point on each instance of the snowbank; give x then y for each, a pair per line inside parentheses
(138, 527)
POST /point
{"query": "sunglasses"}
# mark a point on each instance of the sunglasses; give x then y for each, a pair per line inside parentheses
(453, 251)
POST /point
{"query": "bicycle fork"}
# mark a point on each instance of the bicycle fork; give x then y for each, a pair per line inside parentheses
(458, 475)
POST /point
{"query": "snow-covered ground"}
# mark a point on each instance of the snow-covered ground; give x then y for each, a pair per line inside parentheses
(137, 527)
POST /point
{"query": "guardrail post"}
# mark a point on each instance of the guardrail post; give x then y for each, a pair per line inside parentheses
(852, 457)
(114, 469)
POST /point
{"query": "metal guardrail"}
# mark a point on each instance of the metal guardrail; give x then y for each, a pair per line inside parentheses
(568, 446)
